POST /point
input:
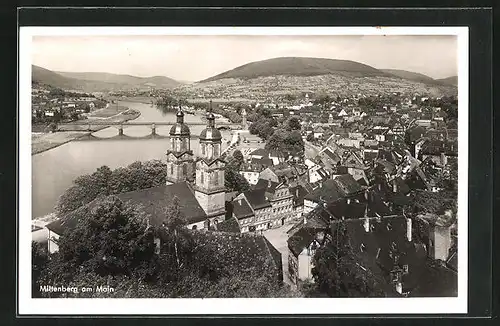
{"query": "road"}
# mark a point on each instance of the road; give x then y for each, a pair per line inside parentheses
(278, 238)
(310, 150)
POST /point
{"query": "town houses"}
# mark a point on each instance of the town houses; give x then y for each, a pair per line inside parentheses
(53, 105)
(364, 160)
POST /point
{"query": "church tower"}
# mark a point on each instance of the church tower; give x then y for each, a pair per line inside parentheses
(180, 160)
(244, 125)
(209, 188)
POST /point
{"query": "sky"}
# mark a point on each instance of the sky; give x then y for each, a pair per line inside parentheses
(193, 58)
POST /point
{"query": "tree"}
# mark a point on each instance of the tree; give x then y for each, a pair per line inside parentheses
(122, 287)
(294, 123)
(103, 182)
(233, 180)
(52, 127)
(39, 260)
(110, 238)
(175, 223)
(238, 157)
(286, 142)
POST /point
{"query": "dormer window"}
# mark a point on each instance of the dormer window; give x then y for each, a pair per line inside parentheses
(389, 227)
(362, 247)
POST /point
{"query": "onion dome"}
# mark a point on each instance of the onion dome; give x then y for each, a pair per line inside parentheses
(180, 128)
(210, 132)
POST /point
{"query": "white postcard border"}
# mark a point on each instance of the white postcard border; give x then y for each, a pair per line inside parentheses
(295, 306)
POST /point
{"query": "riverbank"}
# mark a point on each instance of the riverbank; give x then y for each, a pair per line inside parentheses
(41, 142)
(134, 99)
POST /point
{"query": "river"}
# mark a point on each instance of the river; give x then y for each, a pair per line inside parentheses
(54, 170)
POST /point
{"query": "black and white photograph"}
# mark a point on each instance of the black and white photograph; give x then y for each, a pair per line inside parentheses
(292, 165)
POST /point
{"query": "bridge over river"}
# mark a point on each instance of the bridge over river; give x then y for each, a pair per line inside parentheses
(96, 125)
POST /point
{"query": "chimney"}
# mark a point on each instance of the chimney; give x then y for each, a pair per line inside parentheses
(399, 287)
(408, 229)
(366, 224)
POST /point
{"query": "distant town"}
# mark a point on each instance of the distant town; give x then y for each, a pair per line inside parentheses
(283, 193)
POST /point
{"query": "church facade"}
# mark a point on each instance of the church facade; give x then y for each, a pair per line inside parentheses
(204, 174)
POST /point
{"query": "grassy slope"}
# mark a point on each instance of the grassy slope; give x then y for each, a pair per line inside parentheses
(93, 82)
(453, 80)
(328, 84)
(298, 66)
(121, 79)
(410, 75)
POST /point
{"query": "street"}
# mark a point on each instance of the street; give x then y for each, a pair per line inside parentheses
(278, 238)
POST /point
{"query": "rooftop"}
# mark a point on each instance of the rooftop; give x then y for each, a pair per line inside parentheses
(257, 198)
(241, 209)
(154, 200)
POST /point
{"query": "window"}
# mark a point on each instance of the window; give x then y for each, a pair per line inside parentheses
(171, 169)
(194, 227)
(405, 269)
(203, 149)
(215, 178)
(184, 170)
(202, 177)
(362, 247)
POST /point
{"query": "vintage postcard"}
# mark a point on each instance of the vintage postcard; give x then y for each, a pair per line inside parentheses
(248, 170)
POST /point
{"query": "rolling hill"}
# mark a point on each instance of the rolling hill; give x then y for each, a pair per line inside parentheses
(98, 82)
(453, 80)
(48, 77)
(159, 81)
(299, 66)
(410, 75)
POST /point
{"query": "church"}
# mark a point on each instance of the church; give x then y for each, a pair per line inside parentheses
(198, 182)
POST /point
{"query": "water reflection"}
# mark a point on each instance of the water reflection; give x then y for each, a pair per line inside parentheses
(54, 170)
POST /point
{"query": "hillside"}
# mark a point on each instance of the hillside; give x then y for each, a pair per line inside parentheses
(298, 66)
(48, 77)
(453, 80)
(267, 88)
(98, 82)
(410, 75)
(159, 81)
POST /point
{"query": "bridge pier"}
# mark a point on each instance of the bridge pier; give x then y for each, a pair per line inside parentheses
(120, 130)
(153, 129)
